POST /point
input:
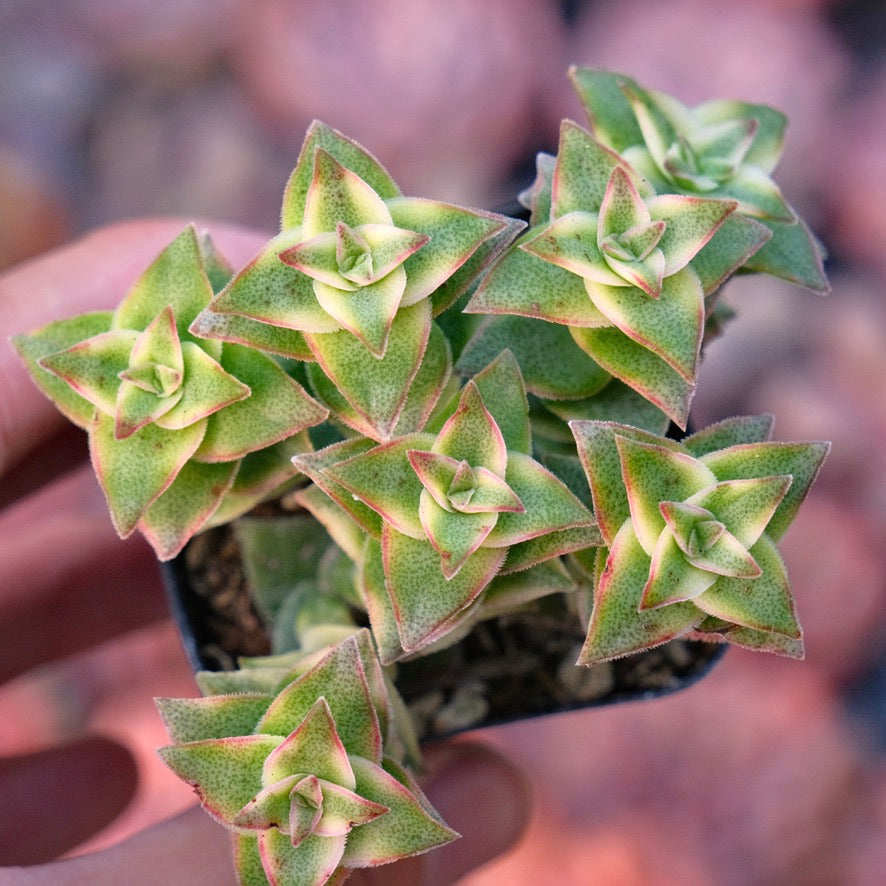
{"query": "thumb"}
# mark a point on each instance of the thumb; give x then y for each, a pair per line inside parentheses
(484, 797)
(480, 794)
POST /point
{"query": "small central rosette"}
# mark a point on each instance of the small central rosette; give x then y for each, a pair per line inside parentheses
(690, 534)
(463, 480)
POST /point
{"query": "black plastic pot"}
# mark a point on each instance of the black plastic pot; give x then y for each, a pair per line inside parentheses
(508, 668)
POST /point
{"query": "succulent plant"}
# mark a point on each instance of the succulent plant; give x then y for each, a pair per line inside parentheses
(293, 757)
(176, 422)
(690, 531)
(462, 421)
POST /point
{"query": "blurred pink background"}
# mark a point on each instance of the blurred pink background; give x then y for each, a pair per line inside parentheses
(768, 772)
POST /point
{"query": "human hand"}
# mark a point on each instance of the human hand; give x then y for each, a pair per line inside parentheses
(68, 583)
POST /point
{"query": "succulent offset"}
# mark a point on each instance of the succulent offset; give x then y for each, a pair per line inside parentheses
(471, 416)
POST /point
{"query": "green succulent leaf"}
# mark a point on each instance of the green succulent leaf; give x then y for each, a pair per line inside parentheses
(225, 772)
(762, 603)
(348, 153)
(618, 626)
(409, 827)
(220, 716)
(603, 95)
(730, 432)
(653, 474)
(453, 234)
(313, 746)
(209, 324)
(472, 435)
(600, 456)
(52, 339)
(185, 506)
(354, 369)
(744, 506)
(206, 389)
(312, 863)
(801, 461)
(383, 479)
(425, 602)
(340, 678)
(793, 254)
(548, 505)
(639, 368)
(92, 367)
(583, 171)
(176, 279)
(277, 408)
(524, 285)
(315, 465)
(271, 292)
(670, 326)
(673, 578)
(572, 375)
(135, 471)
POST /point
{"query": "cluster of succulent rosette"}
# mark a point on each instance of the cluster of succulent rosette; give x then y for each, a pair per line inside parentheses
(469, 413)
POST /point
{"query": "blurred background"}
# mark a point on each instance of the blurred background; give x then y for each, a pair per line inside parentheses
(770, 771)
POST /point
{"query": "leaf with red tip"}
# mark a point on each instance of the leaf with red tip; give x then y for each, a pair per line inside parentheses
(356, 371)
(368, 312)
(177, 279)
(471, 434)
(135, 471)
(424, 601)
(185, 506)
(409, 827)
(601, 461)
(454, 234)
(640, 369)
(730, 432)
(764, 603)
(548, 505)
(383, 479)
(313, 747)
(268, 291)
(744, 506)
(347, 152)
(670, 326)
(225, 772)
(618, 627)
(311, 863)
(277, 408)
(340, 678)
(653, 474)
(336, 194)
(454, 535)
(525, 285)
(51, 339)
(672, 577)
(92, 367)
(207, 388)
(802, 461)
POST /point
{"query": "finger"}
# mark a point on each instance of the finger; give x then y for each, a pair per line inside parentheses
(189, 849)
(475, 789)
(480, 794)
(55, 799)
(93, 273)
(68, 582)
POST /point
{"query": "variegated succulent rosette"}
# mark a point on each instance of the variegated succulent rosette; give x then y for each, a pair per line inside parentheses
(352, 283)
(467, 421)
(690, 531)
(184, 432)
(301, 758)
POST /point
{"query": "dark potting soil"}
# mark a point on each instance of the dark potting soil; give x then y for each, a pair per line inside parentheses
(509, 667)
